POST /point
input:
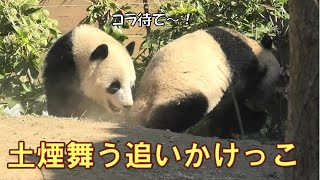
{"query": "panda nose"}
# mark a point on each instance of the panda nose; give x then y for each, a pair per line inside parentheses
(127, 106)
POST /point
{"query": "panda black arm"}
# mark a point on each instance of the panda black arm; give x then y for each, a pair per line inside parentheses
(60, 77)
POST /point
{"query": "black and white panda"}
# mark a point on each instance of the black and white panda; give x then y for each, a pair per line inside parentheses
(88, 73)
(196, 73)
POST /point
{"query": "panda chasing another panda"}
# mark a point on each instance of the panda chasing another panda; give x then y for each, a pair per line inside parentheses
(198, 73)
(88, 73)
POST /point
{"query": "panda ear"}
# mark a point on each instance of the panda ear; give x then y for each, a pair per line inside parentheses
(130, 47)
(266, 41)
(100, 53)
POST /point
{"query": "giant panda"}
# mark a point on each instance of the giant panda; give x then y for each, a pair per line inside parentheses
(198, 73)
(88, 73)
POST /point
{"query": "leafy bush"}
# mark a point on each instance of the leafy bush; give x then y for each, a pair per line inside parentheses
(26, 34)
(101, 13)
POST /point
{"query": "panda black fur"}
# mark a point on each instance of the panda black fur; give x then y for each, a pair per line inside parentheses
(88, 73)
(195, 74)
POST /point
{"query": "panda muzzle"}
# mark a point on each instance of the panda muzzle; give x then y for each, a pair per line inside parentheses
(113, 107)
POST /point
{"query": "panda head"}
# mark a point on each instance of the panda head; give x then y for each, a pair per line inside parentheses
(270, 66)
(105, 68)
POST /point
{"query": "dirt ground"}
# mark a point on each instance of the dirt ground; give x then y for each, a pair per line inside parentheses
(32, 130)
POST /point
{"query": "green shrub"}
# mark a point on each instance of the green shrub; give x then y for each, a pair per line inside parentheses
(101, 13)
(26, 34)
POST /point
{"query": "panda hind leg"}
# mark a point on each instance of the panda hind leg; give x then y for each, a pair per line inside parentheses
(179, 114)
(223, 122)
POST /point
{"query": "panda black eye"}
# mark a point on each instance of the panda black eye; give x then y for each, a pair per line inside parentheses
(114, 87)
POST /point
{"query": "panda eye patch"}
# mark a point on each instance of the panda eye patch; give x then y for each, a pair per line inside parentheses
(114, 87)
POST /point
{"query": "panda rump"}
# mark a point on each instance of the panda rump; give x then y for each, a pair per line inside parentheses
(194, 74)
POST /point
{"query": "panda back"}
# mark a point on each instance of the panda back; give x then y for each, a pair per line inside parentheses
(60, 60)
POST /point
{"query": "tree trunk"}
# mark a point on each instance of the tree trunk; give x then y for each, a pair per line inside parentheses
(303, 108)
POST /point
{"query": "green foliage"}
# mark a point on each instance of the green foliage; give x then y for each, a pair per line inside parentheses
(26, 34)
(252, 17)
(101, 13)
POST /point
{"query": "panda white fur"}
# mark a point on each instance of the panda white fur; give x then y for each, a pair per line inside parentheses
(88, 73)
(194, 74)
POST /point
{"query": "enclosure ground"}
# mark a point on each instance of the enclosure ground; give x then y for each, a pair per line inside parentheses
(32, 130)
